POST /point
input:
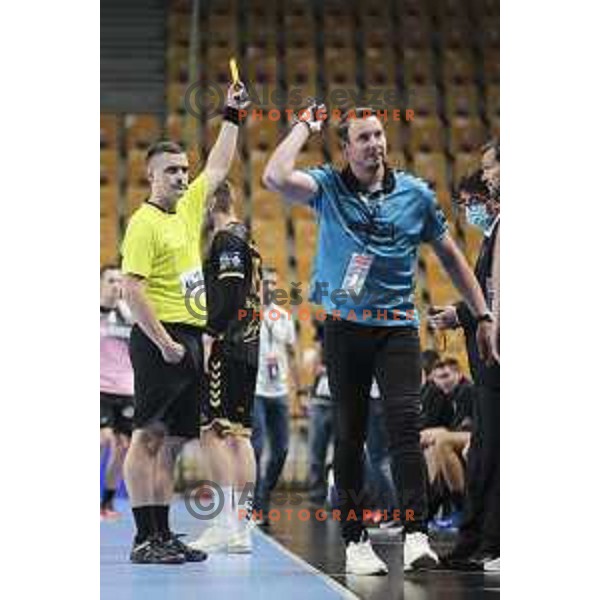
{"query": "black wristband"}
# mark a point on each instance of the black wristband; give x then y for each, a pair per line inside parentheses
(232, 115)
(485, 317)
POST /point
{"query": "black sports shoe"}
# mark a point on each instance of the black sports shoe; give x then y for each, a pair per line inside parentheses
(190, 554)
(155, 552)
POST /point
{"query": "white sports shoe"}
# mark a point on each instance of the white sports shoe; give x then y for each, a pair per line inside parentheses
(213, 539)
(362, 560)
(492, 565)
(240, 542)
(418, 554)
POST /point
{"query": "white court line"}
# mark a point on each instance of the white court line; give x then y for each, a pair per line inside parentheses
(330, 582)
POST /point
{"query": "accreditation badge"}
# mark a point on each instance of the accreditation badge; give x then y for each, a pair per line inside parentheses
(357, 272)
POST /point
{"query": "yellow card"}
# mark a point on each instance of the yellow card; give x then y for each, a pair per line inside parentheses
(233, 68)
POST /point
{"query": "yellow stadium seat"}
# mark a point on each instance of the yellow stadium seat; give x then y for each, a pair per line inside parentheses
(432, 168)
(467, 134)
(108, 130)
(426, 134)
(461, 100)
(465, 163)
(141, 130)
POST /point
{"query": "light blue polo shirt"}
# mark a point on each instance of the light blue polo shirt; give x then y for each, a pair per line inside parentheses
(367, 246)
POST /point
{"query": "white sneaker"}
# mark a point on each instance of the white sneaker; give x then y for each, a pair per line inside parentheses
(362, 560)
(213, 539)
(492, 565)
(418, 554)
(240, 542)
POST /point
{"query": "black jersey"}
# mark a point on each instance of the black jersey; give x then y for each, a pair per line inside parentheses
(233, 273)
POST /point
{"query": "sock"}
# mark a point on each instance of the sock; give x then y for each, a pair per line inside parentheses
(144, 522)
(161, 517)
(107, 498)
(242, 500)
(458, 500)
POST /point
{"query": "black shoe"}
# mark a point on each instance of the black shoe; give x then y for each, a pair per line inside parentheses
(155, 552)
(190, 554)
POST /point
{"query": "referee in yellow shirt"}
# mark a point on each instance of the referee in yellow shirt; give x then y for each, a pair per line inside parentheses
(162, 265)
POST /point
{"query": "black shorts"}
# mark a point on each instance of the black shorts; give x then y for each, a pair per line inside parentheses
(116, 412)
(168, 396)
(232, 380)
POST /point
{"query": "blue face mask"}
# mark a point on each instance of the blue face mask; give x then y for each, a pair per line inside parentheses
(477, 215)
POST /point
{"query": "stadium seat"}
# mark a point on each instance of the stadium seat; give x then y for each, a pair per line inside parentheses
(109, 250)
(305, 235)
(432, 168)
(379, 69)
(108, 166)
(455, 33)
(416, 32)
(266, 205)
(467, 134)
(136, 168)
(492, 101)
(263, 134)
(458, 67)
(108, 201)
(461, 100)
(397, 160)
(178, 29)
(423, 99)
(182, 128)
(377, 39)
(177, 64)
(108, 130)
(426, 134)
(141, 131)
(465, 163)
(134, 197)
(340, 67)
(491, 67)
(418, 66)
(271, 239)
(495, 127)
(176, 92)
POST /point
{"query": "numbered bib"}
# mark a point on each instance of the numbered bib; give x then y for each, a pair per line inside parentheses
(191, 280)
(356, 272)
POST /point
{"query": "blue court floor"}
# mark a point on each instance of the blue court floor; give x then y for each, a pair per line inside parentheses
(270, 572)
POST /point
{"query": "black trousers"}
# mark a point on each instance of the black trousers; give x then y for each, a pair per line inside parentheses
(480, 531)
(354, 353)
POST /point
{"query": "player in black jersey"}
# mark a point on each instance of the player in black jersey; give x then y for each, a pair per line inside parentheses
(232, 273)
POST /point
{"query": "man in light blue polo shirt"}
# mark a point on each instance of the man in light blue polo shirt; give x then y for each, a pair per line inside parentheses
(372, 220)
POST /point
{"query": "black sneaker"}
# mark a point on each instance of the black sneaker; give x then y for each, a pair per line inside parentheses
(155, 552)
(190, 554)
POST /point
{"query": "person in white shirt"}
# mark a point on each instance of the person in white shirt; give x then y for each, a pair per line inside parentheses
(276, 366)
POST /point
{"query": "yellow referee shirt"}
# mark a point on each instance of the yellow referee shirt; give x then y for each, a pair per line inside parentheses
(164, 248)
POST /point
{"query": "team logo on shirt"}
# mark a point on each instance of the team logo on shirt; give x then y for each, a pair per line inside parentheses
(230, 260)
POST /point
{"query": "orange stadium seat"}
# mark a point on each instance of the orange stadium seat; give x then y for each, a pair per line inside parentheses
(305, 234)
(461, 100)
(266, 205)
(418, 66)
(416, 32)
(136, 168)
(377, 38)
(432, 168)
(177, 64)
(108, 201)
(495, 127)
(108, 167)
(340, 67)
(109, 250)
(176, 96)
(134, 197)
(141, 130)
(426, 135)
(380, 69)
(108, 131)
(455, 33)
(263, 135)
(467, 134)
(397, 160)
(271, 239)
(182, 129)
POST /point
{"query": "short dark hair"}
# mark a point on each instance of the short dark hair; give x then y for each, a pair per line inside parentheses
(473, 184)
(350, 115)
(109, 267)
(223, 199)
(163, 147)
(428, 358)
(493, 143)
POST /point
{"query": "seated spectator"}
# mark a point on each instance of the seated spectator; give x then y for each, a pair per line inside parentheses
(447, 411)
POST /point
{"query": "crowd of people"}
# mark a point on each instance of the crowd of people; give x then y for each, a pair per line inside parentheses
(409, 428)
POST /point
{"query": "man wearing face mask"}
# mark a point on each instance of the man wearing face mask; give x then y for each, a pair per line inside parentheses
(478, 545)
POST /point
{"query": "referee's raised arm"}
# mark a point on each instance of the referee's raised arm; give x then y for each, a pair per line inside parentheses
(280, 174)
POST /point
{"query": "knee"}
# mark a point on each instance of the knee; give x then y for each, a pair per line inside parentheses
(149, 441)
